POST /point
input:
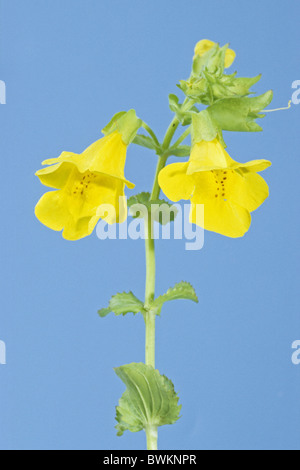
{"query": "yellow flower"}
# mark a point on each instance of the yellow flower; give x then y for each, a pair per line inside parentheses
(84, 182)
(205, 45)
(229, 190)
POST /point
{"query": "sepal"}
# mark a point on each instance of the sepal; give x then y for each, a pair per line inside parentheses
(127, 123)
(212, 87)
(213, 60)
(149, 399)
(111, 126)
(205, 127)
(239, 114)
(196, 88)
(230, 86)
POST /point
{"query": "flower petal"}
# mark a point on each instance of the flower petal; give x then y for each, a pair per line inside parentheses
(222, 217)
(80, 228)
(55, 176)
(230, 56)
(250, 191)
(115, 198)
(67, 157)
(203, 46)
(175, 183)
(208, 156)
(106, 156)
(87, 193)
(51, 210)
(254, 165)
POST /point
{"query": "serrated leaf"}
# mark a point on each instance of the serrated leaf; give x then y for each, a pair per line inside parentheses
(141, 198)
(104, 312)
(149, 399)
(182, 290)
(120, 304)
(162, 211)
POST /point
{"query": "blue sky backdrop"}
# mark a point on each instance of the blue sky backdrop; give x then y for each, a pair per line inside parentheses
(69, 65)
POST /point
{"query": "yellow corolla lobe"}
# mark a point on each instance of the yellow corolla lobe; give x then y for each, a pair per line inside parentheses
(84, 184)
(229, 190)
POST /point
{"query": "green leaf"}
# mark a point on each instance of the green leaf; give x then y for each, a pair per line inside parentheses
(174, 103)
(181, 151)
(149, 399)
(162, 211)
(120, 304)
(141, 198)
(145, 141)
(182, 290)
(185, 117)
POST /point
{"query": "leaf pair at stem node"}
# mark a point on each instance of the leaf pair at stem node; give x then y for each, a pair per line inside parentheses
(127, 302)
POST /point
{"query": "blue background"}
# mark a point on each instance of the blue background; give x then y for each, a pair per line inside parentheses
(69, 65)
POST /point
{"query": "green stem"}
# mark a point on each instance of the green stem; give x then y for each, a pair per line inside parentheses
(156, 189)
(150, 315)
(151, 430)
(151, 434)
(149, 295)
(151, 133)
(182, 137)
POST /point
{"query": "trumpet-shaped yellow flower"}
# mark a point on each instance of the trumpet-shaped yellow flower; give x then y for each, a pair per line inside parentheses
(205, 45)
(84, 183)
(229, 190)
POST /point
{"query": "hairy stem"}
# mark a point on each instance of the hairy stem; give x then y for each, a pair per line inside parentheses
(151, 434)
(149, 295)
(151, 430)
